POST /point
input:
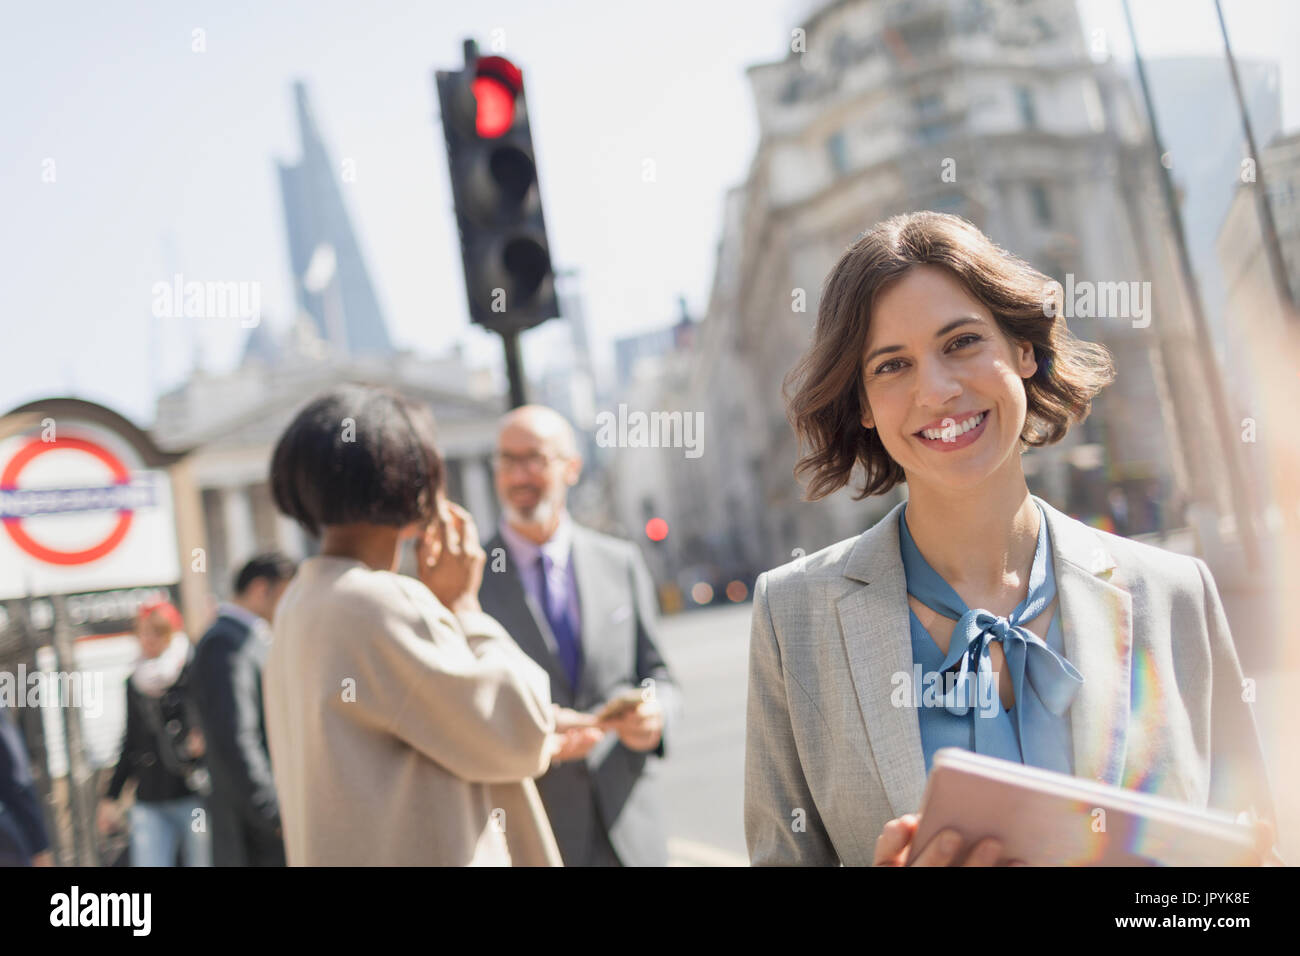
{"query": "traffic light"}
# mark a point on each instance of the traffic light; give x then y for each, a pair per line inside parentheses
(508, 273)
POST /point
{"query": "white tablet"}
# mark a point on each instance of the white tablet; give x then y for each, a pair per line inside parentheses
(1044, 818)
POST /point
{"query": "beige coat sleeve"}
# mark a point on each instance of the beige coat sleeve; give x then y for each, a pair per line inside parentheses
(459, 691)
(528, 829)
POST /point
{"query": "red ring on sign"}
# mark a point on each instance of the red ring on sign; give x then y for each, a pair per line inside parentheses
(9, 482)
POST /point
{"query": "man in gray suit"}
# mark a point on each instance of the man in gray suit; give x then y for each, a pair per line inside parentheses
(581, 604)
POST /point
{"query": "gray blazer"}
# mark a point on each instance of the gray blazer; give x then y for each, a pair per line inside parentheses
(614, 792)
(829, 760)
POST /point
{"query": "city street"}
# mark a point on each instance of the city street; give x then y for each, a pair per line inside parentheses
(802, 264)
(703, 777)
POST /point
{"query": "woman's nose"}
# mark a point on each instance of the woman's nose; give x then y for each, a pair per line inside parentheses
(936, 385)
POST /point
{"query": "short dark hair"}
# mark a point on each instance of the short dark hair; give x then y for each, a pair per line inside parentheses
(272, 565)
(825, 393)
(358, 453)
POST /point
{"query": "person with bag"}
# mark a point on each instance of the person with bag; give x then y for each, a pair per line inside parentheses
(162, 750)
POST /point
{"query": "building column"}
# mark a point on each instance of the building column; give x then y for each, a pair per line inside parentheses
(240, 537)
(480, 497)
(288, 537)
(190, 535)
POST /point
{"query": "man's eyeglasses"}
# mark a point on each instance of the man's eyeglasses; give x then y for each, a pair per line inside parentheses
(534, 462)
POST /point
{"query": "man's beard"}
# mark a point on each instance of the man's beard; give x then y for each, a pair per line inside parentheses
(539, 514)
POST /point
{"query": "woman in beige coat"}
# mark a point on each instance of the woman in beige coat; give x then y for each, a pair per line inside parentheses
(404, 724)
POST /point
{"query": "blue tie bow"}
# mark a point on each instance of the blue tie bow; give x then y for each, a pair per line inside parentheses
(1054, 679)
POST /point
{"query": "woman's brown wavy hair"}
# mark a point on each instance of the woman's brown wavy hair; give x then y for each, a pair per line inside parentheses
(825, 393)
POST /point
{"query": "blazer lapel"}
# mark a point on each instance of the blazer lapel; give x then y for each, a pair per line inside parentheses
(592, 607)
(517, 611)
(1097, 624)
(877, 640)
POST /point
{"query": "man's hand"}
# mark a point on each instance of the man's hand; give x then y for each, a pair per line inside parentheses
(107, 818)
(575, 744)
(640, 729)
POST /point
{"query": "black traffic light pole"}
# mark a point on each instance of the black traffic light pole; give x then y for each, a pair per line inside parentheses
(509, 278)
(514, 368)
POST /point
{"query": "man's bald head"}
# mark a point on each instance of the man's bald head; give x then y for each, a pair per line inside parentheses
(545, 424)
(537, 462)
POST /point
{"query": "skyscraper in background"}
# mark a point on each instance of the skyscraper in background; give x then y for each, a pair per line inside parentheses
(331, 282)
(227, 422)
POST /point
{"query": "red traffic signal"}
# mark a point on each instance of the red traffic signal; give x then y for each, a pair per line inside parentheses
(508, 272)
(496, 87)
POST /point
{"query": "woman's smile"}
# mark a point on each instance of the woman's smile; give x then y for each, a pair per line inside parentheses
(951, 437)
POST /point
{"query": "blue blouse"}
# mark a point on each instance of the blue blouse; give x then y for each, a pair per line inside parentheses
(962, 708)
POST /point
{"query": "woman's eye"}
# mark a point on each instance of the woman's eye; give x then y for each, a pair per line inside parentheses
(961, 342)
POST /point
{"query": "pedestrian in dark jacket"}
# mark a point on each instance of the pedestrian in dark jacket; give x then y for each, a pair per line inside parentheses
(23, 840)
(161, 750)
(228, 690)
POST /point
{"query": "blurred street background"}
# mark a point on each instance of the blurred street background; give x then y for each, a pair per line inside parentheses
(701, 168)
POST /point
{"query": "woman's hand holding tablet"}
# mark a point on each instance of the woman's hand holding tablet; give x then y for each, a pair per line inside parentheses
(894, 847)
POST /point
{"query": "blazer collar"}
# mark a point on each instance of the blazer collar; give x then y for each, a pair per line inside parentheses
(1096, 617)
(526, 621)
(506, 599)
(558, 547)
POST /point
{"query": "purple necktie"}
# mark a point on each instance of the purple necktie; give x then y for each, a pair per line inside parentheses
(553, 606)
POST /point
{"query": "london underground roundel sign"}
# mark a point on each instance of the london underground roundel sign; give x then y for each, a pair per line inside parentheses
(18, 504)
(82, 512)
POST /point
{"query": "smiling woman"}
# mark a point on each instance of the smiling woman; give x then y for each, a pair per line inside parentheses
(995, 296)
(933, 363)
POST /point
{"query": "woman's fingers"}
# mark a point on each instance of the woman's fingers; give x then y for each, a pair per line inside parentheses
(986, 853)
(894, 839)
(436, 529)
(431, 547)
(450, 528)
(895, 845)
(940, 851)
(465, 527)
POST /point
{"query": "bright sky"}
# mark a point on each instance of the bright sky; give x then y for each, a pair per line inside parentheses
(163, 158)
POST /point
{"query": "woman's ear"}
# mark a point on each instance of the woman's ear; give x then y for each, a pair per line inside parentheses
(572, 470)
(868, 420)
(1028, 364)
